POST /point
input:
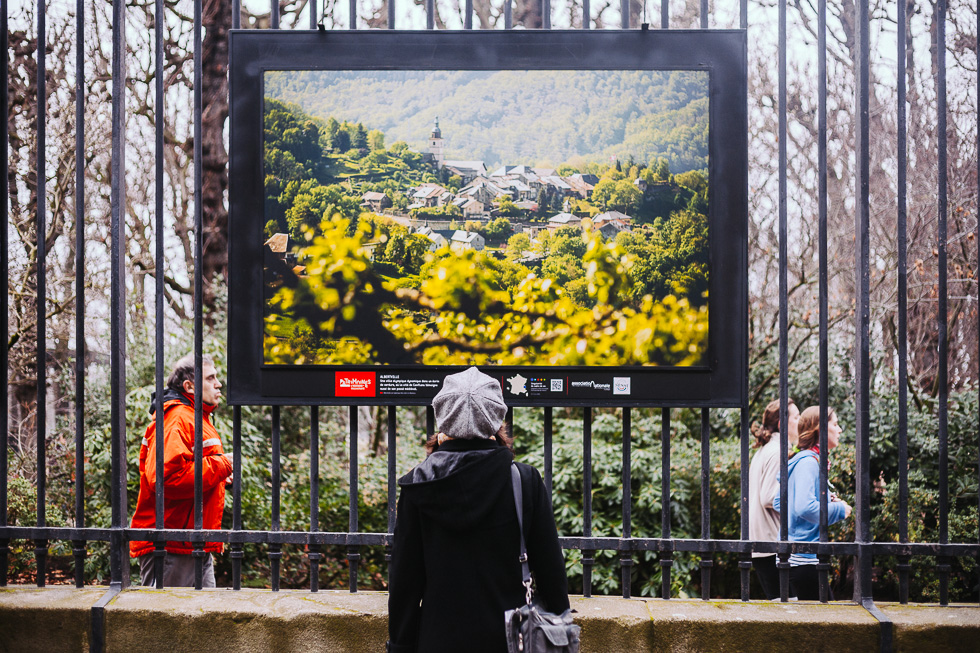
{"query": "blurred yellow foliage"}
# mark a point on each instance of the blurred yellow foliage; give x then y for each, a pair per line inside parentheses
(343, 312)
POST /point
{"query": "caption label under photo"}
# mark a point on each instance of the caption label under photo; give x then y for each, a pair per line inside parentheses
(518, 385)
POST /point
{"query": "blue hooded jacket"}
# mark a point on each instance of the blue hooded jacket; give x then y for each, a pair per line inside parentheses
(804, 500)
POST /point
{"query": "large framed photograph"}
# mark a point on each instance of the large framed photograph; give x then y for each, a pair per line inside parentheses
(565, 210)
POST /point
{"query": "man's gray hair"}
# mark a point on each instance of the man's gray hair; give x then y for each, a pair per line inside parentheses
(184, 371)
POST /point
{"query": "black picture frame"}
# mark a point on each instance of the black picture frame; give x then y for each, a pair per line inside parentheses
(722, 53)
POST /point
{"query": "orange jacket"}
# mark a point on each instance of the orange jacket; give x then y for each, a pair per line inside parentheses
(178, 475)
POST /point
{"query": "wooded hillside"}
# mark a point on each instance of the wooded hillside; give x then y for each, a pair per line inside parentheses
(533, 117)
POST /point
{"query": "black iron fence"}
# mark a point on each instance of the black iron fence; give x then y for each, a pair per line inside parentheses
(626, 545)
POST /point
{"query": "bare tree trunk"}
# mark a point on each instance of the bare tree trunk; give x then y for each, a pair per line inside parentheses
(367, 419)
(528, 13)
(216, 19)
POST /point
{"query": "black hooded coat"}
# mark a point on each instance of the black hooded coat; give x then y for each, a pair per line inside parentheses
(454, 562)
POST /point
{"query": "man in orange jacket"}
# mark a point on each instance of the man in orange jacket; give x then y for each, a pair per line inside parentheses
(178, 476)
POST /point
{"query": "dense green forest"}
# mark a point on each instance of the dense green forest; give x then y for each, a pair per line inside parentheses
(510, 117)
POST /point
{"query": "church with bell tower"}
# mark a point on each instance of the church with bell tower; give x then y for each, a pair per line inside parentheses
(435, 144)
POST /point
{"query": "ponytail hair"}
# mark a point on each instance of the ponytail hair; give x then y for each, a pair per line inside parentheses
(770, 423)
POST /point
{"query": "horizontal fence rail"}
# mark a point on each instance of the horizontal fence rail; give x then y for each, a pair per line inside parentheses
(626, 544)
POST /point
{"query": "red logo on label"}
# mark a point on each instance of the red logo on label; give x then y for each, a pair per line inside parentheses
(354, 384)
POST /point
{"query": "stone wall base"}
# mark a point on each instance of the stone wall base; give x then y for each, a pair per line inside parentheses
(143, 620)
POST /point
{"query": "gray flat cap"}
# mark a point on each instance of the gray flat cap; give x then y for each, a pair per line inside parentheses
(469, 405)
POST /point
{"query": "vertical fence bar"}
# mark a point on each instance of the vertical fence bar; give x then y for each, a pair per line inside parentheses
(942, 316)
(624, 14)
(783, 562)
(862, 399)
(274, 14)
(666, 549)
(430, 14)
(275, 547)
(391, 14)
(862, 586)
(664, 22)
(625, 555)
(548, 448)
(546, 14)
(745, 559)
(40, 419)
(587, 555)
(353, 557)
(704, 14)
(353, 14)
(314, 549)
(745, 564)
(118, 553)
(237, 553)
(159, 548)
(468, 17)
(392, 472)
(508, 15)
(313, 14)
(78, 546)
(236, 14)
(904, 566)
(5, 301)
(199, 553)
(823, 561)
(586, 15)
(707, 558)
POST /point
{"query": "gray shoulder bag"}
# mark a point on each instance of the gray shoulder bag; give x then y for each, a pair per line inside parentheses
(530, 628)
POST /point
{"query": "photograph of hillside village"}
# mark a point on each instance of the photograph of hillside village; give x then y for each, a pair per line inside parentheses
(540, 218)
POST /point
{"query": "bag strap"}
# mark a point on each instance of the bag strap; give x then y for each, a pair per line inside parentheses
(515, 477)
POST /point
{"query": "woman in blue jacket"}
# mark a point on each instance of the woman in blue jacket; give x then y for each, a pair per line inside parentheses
(804, 499)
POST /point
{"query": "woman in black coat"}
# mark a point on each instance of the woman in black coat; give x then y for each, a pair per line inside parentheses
(455, 563)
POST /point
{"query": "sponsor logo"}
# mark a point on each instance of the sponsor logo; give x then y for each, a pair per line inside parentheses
(518, 384)
(557, 385)
(621, 385)
(537, 385)
(593, 385)
(354, 384)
